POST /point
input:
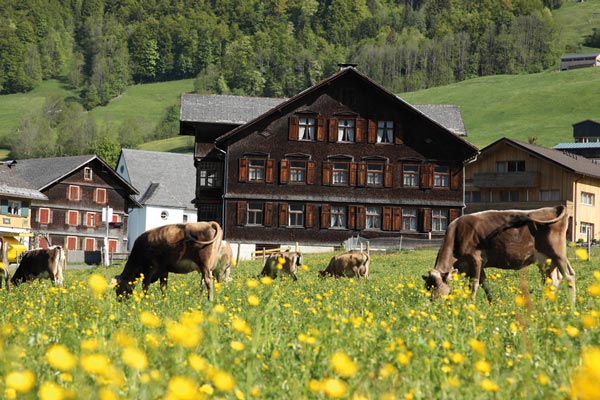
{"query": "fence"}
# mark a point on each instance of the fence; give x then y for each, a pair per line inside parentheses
(391, 244)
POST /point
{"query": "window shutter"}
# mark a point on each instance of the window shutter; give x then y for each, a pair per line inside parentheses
(426, 176)
(293, 128)
(397, 219)
(44, 215)
(73, 193)
(361, 130)
(372, 132)
(284, 172)
(320, 129)
(310, 172)
(398, 133)
(268, 214)
(352, 172)
(351, 217)
(388, 176)
(453, 214)
(25, 209)
(3, 206)
(242, 213)
(456, 179)
(362, 174)
(425, 219)
(325, 216)
(327, 173)
(310, 215)
(386, 222)
(333, 130)
(361, 217)
(243, 170)
(269, 170)
(283, 214)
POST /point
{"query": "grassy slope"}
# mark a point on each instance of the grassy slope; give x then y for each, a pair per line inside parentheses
(577, 20)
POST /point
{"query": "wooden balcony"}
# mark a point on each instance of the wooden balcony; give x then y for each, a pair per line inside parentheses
(505, 180)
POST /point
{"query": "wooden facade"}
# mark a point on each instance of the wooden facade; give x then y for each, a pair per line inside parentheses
(342, 158)
(509, 174)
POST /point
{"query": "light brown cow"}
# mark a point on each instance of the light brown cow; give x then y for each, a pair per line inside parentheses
(352, 263)
(177, 248)
(511, 239)
(41, 263)
(286, 262)
(225, 261)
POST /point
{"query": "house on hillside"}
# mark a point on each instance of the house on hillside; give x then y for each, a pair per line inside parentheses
(511, 174)
(166, 183)
(78, 188)
(575, 61)
(586, 135)
(342, 158)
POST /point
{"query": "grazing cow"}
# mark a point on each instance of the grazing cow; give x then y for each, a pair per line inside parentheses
(177, 248)
(224, 262)
(287, 262)
(41, 263)
(511, 239)
(352, 263)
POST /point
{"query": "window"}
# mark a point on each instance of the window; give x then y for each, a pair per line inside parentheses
(185, 218)
(116, 218)
(89, 244)
(87, 174)
(441, 177)
(346, 130)
(439, 219)
(112, 245)
(255, 214)
(297, 171)
(100, 196)
(338, 217)
(510, 166)
(43, 215)
(340, 172)
(14, 207)
(509, 195)
(585, 227)
(374, 174)
(587, 198)
(71, 243)
(306, 128)
(90, 219)
(385, 131)
(409, 219)
(256, 170)
(373, 218)
(72, 218)
(164, 215)
(209, 212)
(296, 215)
(549, 195)
(473, 196)
(411, 175)
(209, 174)
(74, 193)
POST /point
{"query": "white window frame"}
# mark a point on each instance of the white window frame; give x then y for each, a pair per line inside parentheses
(297, 171)
(339, 216)
(588, 199)
(385, 131)
(409, 219)
(88, 174)
(296, 215)
(255, 214)
(439, 220)
(340, 176)
(410, 177)
(257, 169)
(307, 128)
(441, 176)
(373, 218)
(346, 130)
(375, 176)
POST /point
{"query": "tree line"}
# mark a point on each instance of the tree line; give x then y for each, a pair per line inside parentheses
(273, 48)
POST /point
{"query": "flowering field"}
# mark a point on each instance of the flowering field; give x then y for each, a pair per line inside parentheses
(314, 338)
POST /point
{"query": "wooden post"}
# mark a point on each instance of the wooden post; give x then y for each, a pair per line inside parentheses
(237, 257)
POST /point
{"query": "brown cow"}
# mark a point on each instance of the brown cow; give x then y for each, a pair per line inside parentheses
(177, 248)
(352, 263)
(224, 262)
(41, 263)
(287, 262)
(511, 239)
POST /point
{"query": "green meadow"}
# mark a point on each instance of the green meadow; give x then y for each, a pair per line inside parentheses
(310, 339)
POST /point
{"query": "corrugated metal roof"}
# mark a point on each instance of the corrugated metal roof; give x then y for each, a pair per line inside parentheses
(586, 145)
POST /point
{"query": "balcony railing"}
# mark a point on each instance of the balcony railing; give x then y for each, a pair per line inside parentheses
(505, 180)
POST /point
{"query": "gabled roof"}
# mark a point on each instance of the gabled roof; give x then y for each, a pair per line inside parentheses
(13, 185)
(163, 179)
(447, 115)
(568, 161)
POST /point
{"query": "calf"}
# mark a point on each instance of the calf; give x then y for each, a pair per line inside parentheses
(352, 263)
(286, 262)
(41, 263)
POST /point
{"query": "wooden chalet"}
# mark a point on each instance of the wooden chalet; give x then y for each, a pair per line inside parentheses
(342, 158)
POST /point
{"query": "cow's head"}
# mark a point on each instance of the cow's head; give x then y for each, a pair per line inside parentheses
(438, 283)
(122, 287)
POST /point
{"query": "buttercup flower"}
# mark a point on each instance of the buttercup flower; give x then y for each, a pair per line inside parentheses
(343, 365)
(60, 358)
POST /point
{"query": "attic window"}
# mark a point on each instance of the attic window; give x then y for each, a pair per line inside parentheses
(87, 174)
(164, 215)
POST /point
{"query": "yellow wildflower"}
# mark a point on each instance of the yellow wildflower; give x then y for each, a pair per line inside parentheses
(477, 345)
(453, 381)
(334, 388)
(51, 391)
(223, 381)
(253, 300)
(586, 377)
(483, 367)
(20, 381)
(197, 363)
(543, 379)
(489, 385)
(60, 358)
(594, 290)
(149, 319)
(581, 254)
(572, 331)
(236, 345)
(343, 365)
(97, 283)
(266, 280)
(135, 358)
(456, 358)
(182, 388)
(96, 364)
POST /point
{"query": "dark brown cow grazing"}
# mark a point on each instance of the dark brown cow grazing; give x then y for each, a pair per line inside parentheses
(41, 263)
(177, 248)
(352, 263)
(511, 239)
(286, 262)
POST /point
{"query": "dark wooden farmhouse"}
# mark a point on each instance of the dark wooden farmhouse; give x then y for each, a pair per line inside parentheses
(78, 188)
(342, 158)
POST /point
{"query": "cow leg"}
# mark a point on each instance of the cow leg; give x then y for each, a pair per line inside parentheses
(566, 270)
(475, 270)
(5, 278)
(484, 286)
(163, 284)
(208, 282)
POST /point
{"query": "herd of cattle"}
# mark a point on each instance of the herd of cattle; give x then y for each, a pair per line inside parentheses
(511, 239)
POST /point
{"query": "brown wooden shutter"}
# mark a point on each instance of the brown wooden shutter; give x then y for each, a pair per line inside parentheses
(426, 176)
(283, 214)
(243, 170)
(284, 172)
(456, 179)
(268, 214)
(242, 213)
(293, 129)
(362, 174)
(310, 172)
(361, 217)
(398, 133)
(325, 216)
(320, 129)
(386, 221)
(372, 132)
(310, 215)
(333, 130)
(361, 130)
(327, 173)
(388, 180)
(269, 170)
(352, 172)
(397, 219)
(453, 214)
(351, 217)
(425, 219)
